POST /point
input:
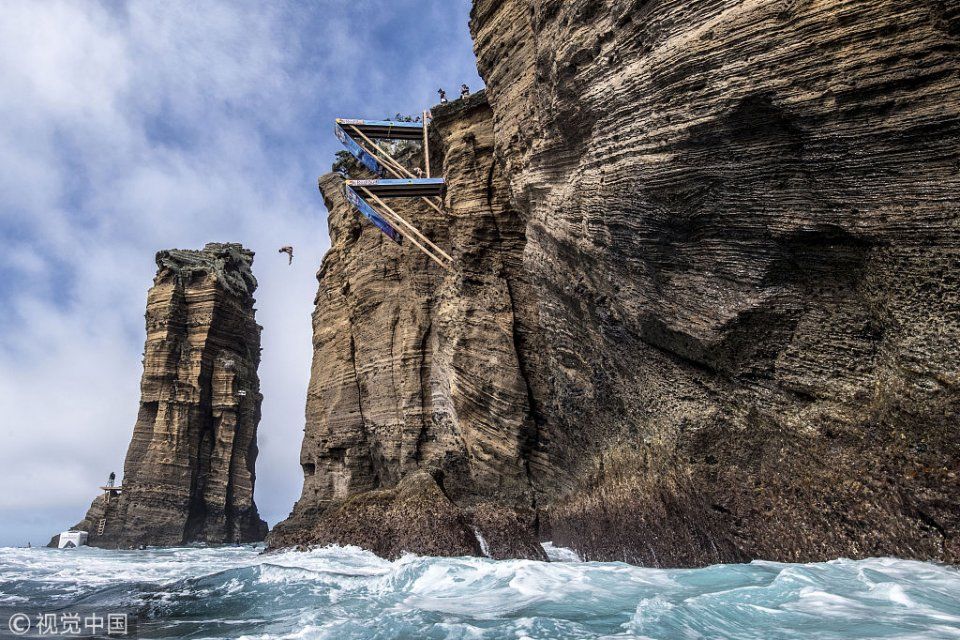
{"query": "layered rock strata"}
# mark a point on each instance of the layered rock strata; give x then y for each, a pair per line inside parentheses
(189, 471)
(742, 237)
(417, 404)
(706, 302)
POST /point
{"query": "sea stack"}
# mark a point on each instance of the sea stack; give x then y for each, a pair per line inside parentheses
(189, 471)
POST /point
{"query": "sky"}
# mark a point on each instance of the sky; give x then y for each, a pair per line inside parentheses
(130, 127)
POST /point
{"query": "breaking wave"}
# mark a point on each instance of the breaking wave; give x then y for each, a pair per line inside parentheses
(344, 592)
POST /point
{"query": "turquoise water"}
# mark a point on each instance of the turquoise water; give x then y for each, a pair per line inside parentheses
(234, 592)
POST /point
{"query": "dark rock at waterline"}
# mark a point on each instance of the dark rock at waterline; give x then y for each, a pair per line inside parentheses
(415, 515)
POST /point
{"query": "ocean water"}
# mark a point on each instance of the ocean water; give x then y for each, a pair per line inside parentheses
(342, 593)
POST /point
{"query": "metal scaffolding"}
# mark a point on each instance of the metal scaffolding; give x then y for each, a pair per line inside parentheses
(368, 196)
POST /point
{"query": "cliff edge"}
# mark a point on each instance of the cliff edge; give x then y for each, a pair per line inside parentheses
(417, 415)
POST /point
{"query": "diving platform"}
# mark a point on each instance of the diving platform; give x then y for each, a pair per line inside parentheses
(383, 129)
(403, 188)
(368, 196)
(360, 136)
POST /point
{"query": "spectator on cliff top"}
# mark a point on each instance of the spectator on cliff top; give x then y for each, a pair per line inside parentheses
(443, 96)
(464, 91)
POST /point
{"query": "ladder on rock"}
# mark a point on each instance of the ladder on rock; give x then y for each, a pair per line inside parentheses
(101, 526)
(368, 196)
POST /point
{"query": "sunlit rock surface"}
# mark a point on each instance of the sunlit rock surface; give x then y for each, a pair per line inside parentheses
(415, 369)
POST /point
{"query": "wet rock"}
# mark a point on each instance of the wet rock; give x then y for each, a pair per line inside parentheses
(413, 515)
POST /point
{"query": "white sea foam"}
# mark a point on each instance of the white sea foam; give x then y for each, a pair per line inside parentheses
(484, 547)
(560, 554)
(338, 592)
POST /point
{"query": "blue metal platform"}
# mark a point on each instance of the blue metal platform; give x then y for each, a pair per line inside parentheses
(402, 188)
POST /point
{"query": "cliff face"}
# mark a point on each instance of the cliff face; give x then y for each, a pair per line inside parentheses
(743, 243)
(189, 470)
(415, 376)
(706, 302)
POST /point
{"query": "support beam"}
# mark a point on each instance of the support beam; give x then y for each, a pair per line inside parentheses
(393, 217)
(406, 224)
(426, 146)
(387, 160)
(398, 175)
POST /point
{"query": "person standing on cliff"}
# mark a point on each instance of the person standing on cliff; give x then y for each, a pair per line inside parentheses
(443, 96)
(464, 91)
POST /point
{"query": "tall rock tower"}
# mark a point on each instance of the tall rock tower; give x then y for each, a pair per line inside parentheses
(189, 471)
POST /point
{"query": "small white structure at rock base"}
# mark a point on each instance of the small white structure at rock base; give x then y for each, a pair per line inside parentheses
(72, 539)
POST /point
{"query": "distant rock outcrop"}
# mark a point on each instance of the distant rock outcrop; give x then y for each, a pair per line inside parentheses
(705, 304)
(189, 471)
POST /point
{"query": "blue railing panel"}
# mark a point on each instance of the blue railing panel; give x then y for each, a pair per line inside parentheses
(388, 182)
(392, 124)
(354, 198)
(368, 161)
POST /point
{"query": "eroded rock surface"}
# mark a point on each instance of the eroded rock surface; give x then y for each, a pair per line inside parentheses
(742, 237)
(415, 369)
(706, 305)
(189, 471)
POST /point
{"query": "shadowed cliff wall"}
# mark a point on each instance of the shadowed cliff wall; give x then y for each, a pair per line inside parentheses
(742, 239)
